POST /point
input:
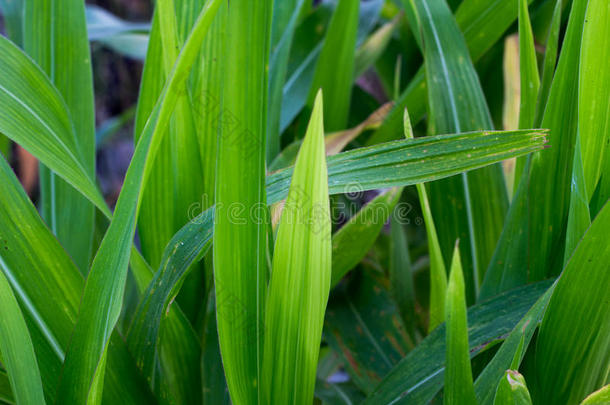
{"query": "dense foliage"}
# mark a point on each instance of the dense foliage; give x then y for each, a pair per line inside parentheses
(319, 208)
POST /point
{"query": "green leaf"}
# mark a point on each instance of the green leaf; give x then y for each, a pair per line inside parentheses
(419, 376)
(337, 54)
(16, 346)
(579, 218)
(529, 79)
(573, 347)
(512, 390)
(470, 207)
(83, 372)
(599, 397)
(368, 53)
(35, 116)
(438, 273)
(12, 13)
(103, 24)
(300, 278)
(352, 242)
(56, 38)
(511, 352)
(459, 388)
(6, 394)
(338, 394)
(550, 61)
(594, 88)
(364, 328)
(240, 269)
(49, 286)
(540, 208)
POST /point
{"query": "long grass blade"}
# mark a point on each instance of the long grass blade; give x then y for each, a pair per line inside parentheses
(240, 264)
(300, 278)
(512, 390)
(573, 347)
(459, 388)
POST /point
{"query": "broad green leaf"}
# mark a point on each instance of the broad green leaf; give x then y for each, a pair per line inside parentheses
(579, 217)
(438, 273)
(599, 397)
(56, 38)
(480, 34)
(459, 388)
(470, 207)
(49, 286)
(84, 369)
(419, 376)
(593, 91)
(512, 390)
(539, 210)
(406, 162)
(35, 116)
(353, 241)
(511, 352)
(373, 47)
(241, 218)
(16, 346)
(529, 79)
(364, 328)
(300, 278)
(573, 347)
(337, 54)
(285, 15)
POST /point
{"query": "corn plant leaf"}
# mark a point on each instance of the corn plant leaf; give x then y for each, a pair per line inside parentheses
(459, 388)
(579, 217)
(35, 116)
(480, 34)
(511, 352)
(512, 390)
(372, 48)
(48, 286)
(16, 347)
(593, 91)
(240, 272)
(573, 347)
(83, 373)
(541, 204)
(56, 38)
(599, 397)
(300, 278)
(529, 79)
(352, 242)
(214, 383)
(364, 328)
(103, 24)
(470, 207)
(337, 53)
(419, 375)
